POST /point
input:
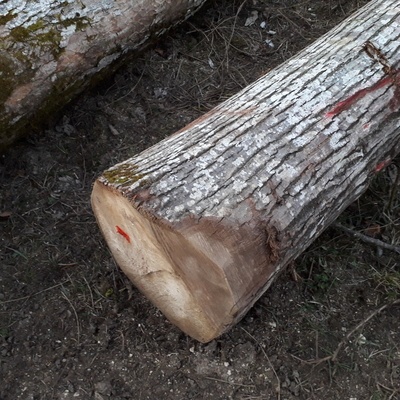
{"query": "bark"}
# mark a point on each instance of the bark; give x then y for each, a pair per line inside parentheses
(204, 221)
(50, 51)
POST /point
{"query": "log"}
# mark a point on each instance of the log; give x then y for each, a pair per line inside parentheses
(204, 221)
(51, 51)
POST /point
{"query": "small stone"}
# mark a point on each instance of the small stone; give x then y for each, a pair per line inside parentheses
(103, 387)
(294, 389)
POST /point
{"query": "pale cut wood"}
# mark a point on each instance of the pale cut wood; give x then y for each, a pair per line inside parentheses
(51, 50)
(203, 221)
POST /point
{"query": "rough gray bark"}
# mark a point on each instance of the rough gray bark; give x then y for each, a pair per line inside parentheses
(204, 221)
(51, 50)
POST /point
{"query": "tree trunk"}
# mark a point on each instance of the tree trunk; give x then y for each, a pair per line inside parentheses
(204, 221)
(50, 51)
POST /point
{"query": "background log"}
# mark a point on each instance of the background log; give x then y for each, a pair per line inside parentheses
(51, 51)
(204, 221)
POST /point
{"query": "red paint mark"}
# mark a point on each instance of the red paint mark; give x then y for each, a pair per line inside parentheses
(392, 76)
(346, 104)
(366, 126)
(382, 165)
(123, 233)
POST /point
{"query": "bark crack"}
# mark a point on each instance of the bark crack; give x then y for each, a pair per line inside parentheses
(272, 243)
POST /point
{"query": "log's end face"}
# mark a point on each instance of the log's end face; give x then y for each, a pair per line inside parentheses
(248, 254)
(202, 273)
(187, 286)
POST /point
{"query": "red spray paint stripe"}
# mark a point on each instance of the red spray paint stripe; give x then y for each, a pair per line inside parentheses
(382, 165)
(346, 104)
(123, 233)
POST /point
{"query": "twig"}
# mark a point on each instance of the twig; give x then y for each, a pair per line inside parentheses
(367, 239)
(278, 387)
(227, 382)
(392, 391)
(360, 325)
(394, 188)
(131, 90)
(334, 355)
(34, 294)
(17, 252)
(232, 33)
(78, 328)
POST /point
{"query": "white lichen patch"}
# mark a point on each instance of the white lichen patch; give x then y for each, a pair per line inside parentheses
(304, 139)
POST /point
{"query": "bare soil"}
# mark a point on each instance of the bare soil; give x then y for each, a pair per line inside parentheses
(71, 324)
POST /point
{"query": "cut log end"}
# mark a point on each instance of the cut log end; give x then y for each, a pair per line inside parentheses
(193, 271)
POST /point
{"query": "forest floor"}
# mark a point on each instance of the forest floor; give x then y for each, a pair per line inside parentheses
(71, 324)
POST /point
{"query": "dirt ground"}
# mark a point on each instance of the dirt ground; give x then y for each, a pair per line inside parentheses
(71, 324)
